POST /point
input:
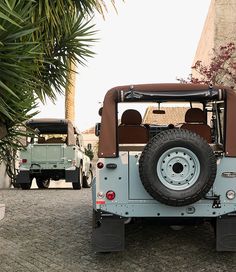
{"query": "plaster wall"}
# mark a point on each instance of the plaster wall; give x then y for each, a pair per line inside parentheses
(219, 29)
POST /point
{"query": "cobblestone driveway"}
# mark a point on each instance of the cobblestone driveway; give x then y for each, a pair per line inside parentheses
(50, 231)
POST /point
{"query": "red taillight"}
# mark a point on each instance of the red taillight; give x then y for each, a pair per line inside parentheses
(24, 161)
(110, 195)
(100, 165)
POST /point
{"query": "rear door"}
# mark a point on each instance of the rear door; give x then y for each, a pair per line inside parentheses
(47, 155)
(136, 189)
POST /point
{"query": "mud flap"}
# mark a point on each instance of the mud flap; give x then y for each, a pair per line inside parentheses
(108, 233)
(23, 177)
(226, 233)
(72, 175)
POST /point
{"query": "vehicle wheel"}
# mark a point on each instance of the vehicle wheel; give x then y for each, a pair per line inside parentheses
(26, 186)
(42, 183)
(78, 185)
(87, 180)
(177, 167)
(16, 185)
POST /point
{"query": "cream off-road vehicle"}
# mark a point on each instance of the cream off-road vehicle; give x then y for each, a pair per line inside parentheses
(55, 151)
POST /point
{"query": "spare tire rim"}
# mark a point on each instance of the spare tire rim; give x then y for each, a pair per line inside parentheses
(178, 168)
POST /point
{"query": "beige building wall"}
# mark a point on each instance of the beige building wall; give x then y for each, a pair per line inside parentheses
(225, 21)
(219, 29)
(206, 42)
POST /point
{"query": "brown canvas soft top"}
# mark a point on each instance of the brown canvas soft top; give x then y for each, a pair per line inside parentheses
(47, 120)
(108, 146)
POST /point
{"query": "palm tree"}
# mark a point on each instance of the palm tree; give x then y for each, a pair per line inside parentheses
(70, 91)
(70, 94)
(39, 42)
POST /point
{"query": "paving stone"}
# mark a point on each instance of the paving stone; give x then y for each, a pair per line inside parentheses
(50, 230)
(2, 211)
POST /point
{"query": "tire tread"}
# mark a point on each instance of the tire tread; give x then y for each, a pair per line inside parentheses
(162, 139)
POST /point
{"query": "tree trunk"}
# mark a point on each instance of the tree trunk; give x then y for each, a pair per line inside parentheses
(70, 94)
(3, 130)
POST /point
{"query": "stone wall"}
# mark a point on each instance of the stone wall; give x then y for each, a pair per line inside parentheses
(219, 28)
(225, 21)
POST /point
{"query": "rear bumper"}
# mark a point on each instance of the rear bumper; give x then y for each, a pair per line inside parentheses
(25, 176)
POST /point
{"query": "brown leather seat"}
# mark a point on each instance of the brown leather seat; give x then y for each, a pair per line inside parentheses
(196, 122)
(130, 130)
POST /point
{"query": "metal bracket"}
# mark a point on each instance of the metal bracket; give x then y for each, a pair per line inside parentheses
(216, 203)
(35, 170)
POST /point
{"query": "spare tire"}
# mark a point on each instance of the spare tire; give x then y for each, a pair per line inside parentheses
(177, 167)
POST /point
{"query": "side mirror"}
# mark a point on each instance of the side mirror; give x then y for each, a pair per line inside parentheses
(89, 147)
(100, 111)
(97, 129)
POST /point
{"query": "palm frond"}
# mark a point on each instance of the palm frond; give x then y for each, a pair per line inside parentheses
(38, 41)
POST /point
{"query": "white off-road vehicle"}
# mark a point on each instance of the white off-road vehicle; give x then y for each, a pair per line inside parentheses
(177, 171)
